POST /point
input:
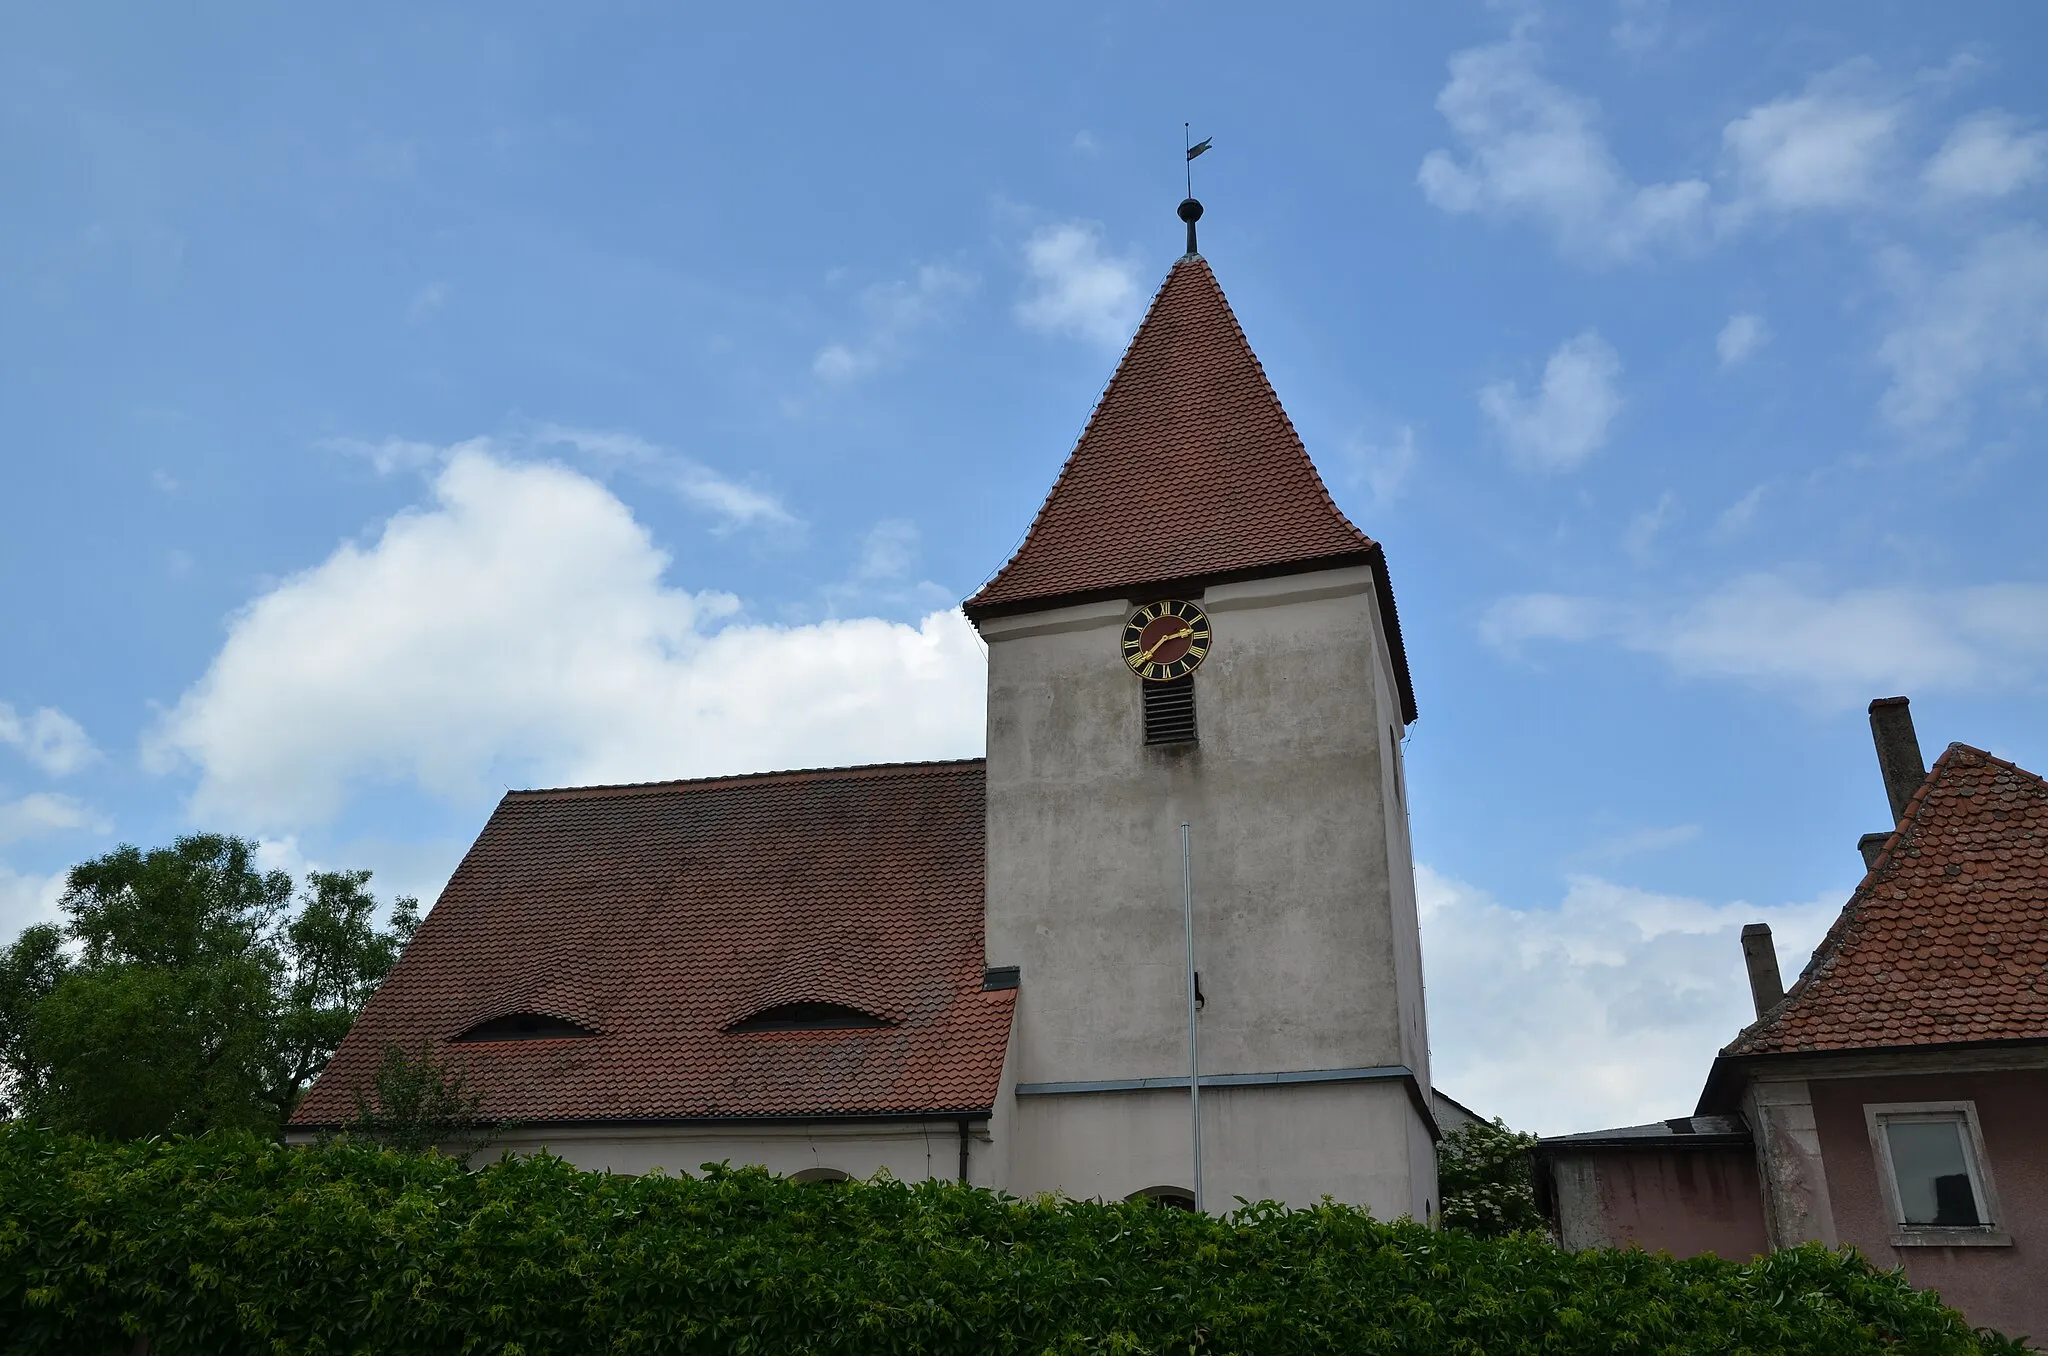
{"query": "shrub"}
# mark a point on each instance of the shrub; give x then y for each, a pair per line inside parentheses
(231, 1244)
(1487, 1180)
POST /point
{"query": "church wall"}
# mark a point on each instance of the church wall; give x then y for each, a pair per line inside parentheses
(1401, 867)
(995, 1168)
(911, 1151)
(1291, 1143)
(1305, 945)
(1425, 1195)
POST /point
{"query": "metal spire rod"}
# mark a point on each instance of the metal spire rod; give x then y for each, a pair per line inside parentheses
(1187, 137)
(1187, 913)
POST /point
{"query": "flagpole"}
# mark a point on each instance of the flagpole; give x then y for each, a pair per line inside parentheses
(1187, 913)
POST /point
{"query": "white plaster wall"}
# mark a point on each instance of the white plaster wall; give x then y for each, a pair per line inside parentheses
(1425, 1197)
(910, 1151)
(1304, 895)
(1293, 1143)
(992, 1166)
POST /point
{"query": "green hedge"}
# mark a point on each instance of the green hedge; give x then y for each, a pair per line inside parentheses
(232, 1244)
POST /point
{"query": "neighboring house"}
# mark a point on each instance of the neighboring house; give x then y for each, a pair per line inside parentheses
(979, 969)
(1896, 1098)
(1452, 1115)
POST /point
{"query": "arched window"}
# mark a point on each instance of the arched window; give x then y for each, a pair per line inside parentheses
(526, 1026)
(808, 1017)
(1171, 1197)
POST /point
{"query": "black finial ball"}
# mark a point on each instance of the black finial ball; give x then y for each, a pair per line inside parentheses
(1190, 211)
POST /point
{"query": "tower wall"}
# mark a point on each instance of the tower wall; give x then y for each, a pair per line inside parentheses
(1304, 903)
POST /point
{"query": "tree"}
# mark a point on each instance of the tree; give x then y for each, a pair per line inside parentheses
(1488, 1180)
(188, 990)
(416, 1102)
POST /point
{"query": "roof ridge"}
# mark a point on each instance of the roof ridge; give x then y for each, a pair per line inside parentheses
(1991, 757)
(851, 772)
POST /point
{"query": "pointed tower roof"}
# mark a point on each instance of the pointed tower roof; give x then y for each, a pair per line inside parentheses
(1188, 473)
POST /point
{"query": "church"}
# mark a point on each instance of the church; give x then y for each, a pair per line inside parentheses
(1160, 941)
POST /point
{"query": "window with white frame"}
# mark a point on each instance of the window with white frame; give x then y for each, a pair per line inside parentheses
(1931, 1163)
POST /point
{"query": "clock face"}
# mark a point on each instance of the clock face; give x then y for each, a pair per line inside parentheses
(1166, 640)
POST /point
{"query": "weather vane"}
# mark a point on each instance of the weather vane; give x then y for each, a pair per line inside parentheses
(1193, 151)
(1190, 210)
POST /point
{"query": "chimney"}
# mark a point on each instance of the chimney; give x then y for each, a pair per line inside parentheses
(1898, 752)
(1870, 844)
(1766, 989)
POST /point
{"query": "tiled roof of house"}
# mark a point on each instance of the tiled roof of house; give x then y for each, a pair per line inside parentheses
(1946, 939)
(1188, 471)
(659, 915)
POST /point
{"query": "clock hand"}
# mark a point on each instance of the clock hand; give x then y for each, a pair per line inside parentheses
(1182, 634)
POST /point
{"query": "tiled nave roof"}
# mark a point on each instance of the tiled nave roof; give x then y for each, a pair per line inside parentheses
(658, 915)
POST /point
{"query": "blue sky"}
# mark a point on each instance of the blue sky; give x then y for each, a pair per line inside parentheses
(411, 403)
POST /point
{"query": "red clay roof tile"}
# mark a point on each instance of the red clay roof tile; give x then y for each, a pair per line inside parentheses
(1946, 939)
(1188, 471)
(660, 914)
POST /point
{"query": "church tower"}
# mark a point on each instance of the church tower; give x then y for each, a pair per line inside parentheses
(1192, 632)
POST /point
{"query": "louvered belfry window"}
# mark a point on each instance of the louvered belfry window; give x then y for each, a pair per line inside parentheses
(1170, 711)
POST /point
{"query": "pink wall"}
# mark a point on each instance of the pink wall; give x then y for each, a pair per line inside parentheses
(2003, 1288)
(1684, 1202)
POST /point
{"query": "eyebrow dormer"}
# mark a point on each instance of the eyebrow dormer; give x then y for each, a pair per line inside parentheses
(809, 1017)
(525, 1026)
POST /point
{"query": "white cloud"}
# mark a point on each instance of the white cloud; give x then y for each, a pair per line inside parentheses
(1985, 319)
(426, 303)
(1640, 843)
(1514, 621)
(895, 312)
(26, 899)
(1986, 156)
(1076, 288)
(1384, 466)
(735, 504)
(1737, 517)
(883, 576)
(1740, 338)
(1639, 25)
(43, 813)
(519, 630)
(1824, 148)
(48, 738)
(1640, 538)
(1646, 986)
(389, 456)
(1570, 414)
(1534, 150)
(1833, 648)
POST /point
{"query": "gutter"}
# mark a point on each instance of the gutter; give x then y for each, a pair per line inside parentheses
(1722, 1095)
(964, 1115)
